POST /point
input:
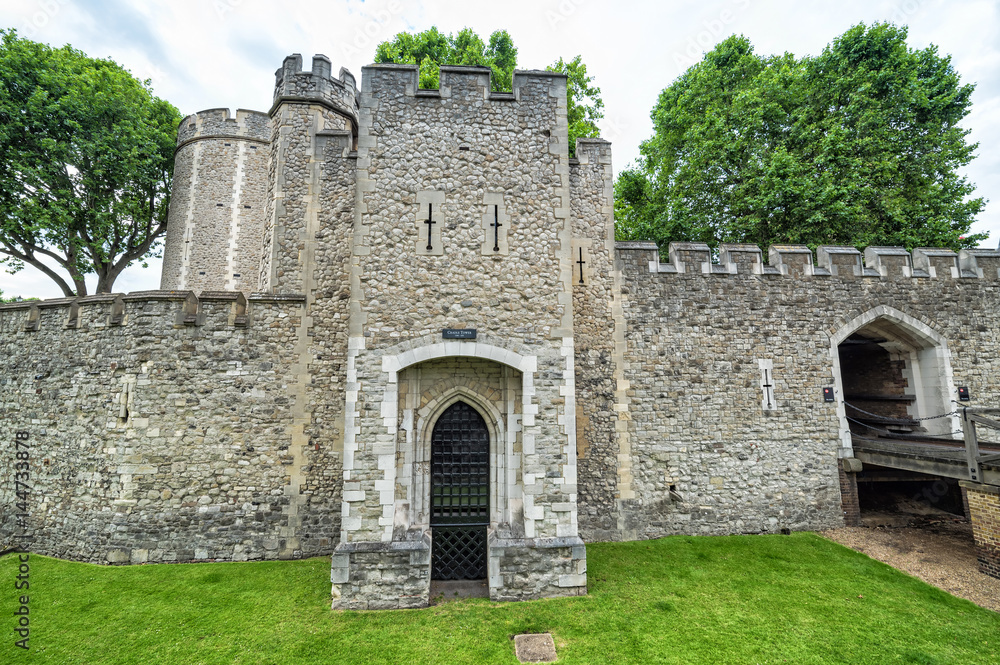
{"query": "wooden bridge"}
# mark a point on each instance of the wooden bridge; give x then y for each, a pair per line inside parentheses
(967, 459)
(974, 462)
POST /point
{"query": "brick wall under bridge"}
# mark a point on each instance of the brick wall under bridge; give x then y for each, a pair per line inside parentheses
(984, 508)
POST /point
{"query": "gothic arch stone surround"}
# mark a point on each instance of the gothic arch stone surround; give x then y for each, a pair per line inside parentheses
(409, 422)
(928, 372)
(427, 390)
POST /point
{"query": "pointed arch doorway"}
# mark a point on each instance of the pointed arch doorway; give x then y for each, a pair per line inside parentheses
(891, 371)
(460, 494)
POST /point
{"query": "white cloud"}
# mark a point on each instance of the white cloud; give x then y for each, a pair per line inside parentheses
(210, 53)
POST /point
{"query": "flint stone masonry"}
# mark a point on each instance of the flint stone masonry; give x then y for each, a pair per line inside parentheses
(451, 148)
(282, 404)
(217, 207)
(594, 324)
(161, 437)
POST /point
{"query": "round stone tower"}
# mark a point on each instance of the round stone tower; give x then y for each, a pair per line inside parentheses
(218, 202)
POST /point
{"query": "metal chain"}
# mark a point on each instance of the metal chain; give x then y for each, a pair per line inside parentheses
(867, 426)
(879, 415)
(881, 430)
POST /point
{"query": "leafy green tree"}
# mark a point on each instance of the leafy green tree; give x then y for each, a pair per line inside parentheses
(432, 48)
(87, 156)
(584, 106)
(859, 145)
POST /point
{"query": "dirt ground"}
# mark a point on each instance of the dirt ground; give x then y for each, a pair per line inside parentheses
(935, 547)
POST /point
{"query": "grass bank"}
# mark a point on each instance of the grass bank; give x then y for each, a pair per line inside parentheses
(738, 599)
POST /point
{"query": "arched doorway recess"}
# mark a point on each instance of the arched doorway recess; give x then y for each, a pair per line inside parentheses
(892, 372)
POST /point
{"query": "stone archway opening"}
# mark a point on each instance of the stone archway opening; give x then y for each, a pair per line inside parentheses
(894, 389)
(532, 547)
(877, 374)
(459, 481)
(427, 397)
(893, 375)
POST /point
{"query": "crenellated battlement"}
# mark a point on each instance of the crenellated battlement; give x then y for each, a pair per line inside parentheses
(467, 82)
(317, 86)
(176, 309)
(830, 261)
(219, 123)
(539, 85)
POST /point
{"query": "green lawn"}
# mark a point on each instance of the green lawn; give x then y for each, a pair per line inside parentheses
(739, 599)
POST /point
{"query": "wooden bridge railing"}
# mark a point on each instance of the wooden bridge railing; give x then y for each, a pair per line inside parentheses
(972, 416)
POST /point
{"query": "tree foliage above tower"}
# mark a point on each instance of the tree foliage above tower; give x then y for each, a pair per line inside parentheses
(433, 48)
(859, 145)
(584, 106)
(87, 156)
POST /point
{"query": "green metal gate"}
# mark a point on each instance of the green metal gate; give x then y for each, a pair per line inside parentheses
(460, 494)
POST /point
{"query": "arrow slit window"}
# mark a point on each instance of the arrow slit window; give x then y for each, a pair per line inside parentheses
(767, 402)
(496, 223)
(430, 222)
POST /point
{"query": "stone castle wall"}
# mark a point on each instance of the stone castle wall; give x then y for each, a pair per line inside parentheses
(162, 425)
(307, 248)
(594, 337)
(626, 398)
(217, 204)
(159, 428)
(706, 457)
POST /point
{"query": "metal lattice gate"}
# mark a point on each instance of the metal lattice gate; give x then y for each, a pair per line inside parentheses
(460, 494)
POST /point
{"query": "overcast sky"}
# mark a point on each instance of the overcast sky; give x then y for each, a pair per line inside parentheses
(203, 54)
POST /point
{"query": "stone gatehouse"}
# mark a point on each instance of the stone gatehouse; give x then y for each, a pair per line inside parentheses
(394, 327)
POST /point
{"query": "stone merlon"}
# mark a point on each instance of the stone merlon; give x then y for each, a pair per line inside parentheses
(317, 86)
